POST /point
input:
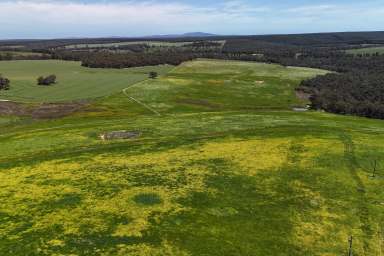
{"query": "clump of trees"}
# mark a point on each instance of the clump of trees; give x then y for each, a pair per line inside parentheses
(153, 75)
(4, 83)
(49, 80)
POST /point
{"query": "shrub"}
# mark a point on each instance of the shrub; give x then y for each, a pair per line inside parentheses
(153, 75)
(4, 83)
(46, 80)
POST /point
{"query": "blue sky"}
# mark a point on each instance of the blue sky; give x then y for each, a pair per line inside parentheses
(98, 18)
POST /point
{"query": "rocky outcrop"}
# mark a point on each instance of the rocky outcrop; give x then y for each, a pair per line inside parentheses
(119, 135)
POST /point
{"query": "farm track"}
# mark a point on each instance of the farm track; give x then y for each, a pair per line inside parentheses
(362, 209)
(139, 102)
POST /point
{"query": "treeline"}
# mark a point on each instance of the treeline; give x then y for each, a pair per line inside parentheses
(310, 40)
(189, 47)
(335, 61)
(251, 46)
(358, 88)
(350, 93)
(135, 48)
(116, 60)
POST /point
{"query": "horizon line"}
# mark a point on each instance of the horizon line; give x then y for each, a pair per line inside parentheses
(185, 35)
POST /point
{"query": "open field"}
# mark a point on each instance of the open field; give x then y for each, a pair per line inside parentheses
(74, 82)
(370, 50)
(20, 53)
(207, 85)
(227, 169)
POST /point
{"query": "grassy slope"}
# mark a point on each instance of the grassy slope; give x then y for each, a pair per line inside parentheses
(207, 85)
(7, 119)
(74, 81)
(228, 181)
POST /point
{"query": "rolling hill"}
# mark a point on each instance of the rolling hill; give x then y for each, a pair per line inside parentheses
(225, 168)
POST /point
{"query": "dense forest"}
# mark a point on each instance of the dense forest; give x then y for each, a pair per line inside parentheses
(112, 60)
(356, 87)
(349, 93)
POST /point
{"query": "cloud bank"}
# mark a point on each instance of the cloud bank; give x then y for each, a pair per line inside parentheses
(45, 19)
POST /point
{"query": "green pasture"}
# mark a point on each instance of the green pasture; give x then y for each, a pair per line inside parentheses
(74, 82)
(226, 169)
(368, 50)
(207, 85)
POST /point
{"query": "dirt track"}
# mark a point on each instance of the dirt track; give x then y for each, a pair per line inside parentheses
(139, 102)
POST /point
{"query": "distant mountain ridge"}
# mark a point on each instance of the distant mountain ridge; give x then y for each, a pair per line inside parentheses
(190, 34)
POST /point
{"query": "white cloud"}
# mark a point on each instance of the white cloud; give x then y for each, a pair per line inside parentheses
(312, 9)
(98, 13)
(51, 18)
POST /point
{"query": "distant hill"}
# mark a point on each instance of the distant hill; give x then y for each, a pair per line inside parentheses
(191, 34)
(197, 34)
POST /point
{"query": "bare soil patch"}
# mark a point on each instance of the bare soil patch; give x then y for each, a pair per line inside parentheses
(12, 108)
(42, 111)
(302, 95)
